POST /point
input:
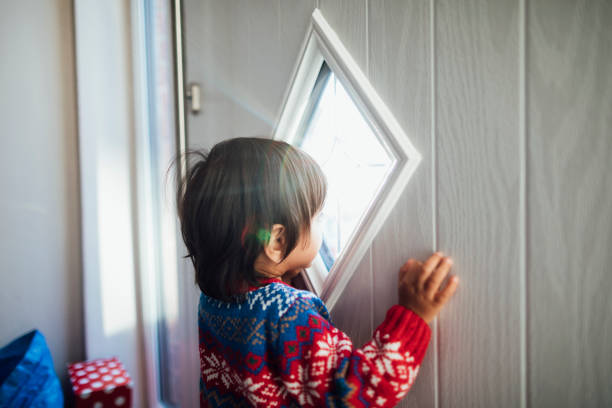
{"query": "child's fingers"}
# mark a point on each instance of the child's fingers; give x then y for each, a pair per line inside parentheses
(429, 267)
(404, 271)
(445, 294)
(405, 267)
(437, 276)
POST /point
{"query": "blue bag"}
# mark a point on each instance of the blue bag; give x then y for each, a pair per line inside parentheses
(27, 377)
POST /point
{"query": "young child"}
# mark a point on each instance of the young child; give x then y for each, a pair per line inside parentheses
(249, 212)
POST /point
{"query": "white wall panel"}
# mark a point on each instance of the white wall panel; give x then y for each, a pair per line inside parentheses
(477, 200)
(40, 251)
(208, 61)
(400, 70)
(243, 53)
(348, 18)
(569, 197)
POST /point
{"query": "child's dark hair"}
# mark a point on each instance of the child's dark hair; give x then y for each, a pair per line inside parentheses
(230, 198)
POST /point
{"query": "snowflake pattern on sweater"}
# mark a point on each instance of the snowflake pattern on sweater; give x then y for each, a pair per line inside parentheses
(277, 347)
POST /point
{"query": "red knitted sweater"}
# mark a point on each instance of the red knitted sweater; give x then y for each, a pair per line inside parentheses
(277, 347)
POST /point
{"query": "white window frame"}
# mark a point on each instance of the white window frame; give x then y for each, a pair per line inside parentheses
(107, 182)
(117, 207)
(323, 44)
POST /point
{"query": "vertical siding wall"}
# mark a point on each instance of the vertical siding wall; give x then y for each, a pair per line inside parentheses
(510, 104)
(477, 157)
(569, 203)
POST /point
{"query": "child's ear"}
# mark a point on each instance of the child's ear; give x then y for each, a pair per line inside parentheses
(275, 249)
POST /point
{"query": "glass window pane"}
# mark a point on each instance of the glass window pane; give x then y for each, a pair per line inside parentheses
(160, 85)
(341, 140)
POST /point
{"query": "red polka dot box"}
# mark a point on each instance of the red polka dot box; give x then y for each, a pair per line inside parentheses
(100, 383)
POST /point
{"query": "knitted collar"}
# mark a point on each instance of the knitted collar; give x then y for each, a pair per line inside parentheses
(265, 282)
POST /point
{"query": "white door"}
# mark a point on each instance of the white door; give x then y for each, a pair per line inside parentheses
(492, 189)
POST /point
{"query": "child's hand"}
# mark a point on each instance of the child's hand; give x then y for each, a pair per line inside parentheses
(419, 283)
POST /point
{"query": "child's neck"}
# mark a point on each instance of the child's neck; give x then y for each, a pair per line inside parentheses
(266, 267)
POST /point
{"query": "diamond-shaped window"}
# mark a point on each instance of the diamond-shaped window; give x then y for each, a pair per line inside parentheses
(333, 113)
(336, 134)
